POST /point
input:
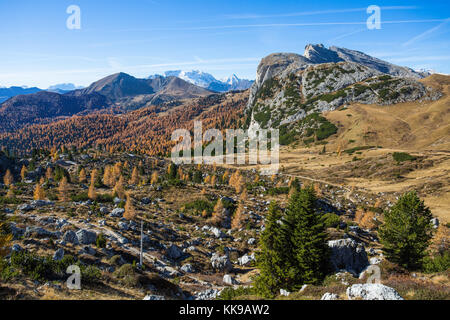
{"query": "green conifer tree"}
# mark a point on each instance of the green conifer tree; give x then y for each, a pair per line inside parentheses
(305, 247)
(407, 231)
(269, 259)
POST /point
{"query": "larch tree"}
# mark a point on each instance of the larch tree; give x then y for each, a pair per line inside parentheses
(130, 212)
(134, 177)
(82, 176)
(23, 172)
(155, 178)
(218, 215)
(63, 189)
(8, 179)
(119, 189)
(39, 193)
(238, 218)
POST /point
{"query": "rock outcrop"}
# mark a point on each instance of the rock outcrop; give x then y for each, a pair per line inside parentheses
(347, 254)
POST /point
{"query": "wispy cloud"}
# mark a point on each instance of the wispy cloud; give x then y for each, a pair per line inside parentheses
(250, 16)
(345, 35)
(426, 33)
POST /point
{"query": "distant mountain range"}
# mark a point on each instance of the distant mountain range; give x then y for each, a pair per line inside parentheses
(208, 81)
(6, 93)
(119, 90)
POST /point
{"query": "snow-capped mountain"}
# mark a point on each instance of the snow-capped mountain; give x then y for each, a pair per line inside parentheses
(208, 81)
(63, 88)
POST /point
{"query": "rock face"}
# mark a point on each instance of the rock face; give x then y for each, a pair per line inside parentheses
(347, 254)
(289, 86)
(372, 292)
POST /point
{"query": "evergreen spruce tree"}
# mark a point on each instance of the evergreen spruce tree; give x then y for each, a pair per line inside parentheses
(407, 231)
(270, 260)
(305, 244)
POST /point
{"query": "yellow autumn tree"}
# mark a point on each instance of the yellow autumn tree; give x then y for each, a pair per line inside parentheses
(108, 179)
(134, 177)
(240, 184)
(130, 212)
(218, 215)
(92, 194)
(10, 193)
(119, 189)
(63, 189)
(39, 193)
(8, 179)
(238, 218)
(23, 172)
(244, 195)
(154, 179)
(82, 176)
(5, 241)
(49, 173)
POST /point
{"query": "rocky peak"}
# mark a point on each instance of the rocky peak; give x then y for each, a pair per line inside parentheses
(317, 53)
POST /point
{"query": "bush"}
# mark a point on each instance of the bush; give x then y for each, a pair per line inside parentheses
(101, 241)
(127, 275)
(438, 263)
(90, 274)
(80, 197)
(403, 156)
(199, 205)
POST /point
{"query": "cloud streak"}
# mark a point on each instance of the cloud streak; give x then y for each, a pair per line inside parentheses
(426, 33)
(251, 16)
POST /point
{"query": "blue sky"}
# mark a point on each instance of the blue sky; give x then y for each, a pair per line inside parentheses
(143, 37)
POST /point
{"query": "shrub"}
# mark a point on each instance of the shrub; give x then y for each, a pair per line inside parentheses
(101, 241)
(438, 263)
(403, 156)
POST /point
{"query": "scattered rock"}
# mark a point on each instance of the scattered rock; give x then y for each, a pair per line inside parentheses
(70, 237)
(371, 291)
(86, 236)
(154, 297)
(59, 254)
(221, 263)
(329, 296)
(284, 293)
(246, 259)
(228, 279)
(187, 268)
(174, 252)
(117, 212)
